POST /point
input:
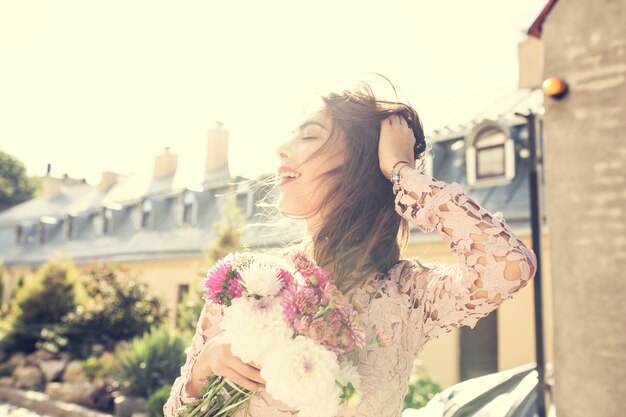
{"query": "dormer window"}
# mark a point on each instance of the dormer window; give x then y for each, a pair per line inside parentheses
(41, 232)
(107, 221)
(245, 200)
(41, 227)
(190, 207)
(490, 155)
(70, 226)
(147, 214)
(19, 234)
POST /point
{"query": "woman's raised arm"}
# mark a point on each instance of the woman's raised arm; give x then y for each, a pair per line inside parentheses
(493, 262)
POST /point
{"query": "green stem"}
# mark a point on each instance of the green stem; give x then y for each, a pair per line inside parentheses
(208, 398)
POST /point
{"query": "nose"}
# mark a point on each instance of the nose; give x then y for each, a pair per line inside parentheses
(284, 151)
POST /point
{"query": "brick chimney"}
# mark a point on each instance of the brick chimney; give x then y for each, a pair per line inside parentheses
(51, 187)
(165, 164)
(216, 149)
(107, 180)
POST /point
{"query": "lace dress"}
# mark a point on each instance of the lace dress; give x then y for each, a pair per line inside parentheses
(415, 302)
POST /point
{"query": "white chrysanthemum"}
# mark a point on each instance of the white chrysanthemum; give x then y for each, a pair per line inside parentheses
(300, 280)
(252, 327)
(261, 280)
(276, 260)
(302, 373)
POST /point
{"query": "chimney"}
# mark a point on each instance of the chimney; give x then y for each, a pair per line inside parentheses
(107, 180)
(165, 164)
(216, 149)
(530, 62)
(51, 187)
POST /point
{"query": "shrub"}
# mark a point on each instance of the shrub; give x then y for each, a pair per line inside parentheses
(118, 307)
(150, 362)
(1, 283)
(41, 304)
(155, 404)
(99, 366)
(421, 388)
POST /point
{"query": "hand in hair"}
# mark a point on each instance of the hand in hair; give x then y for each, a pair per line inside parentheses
(395, 143)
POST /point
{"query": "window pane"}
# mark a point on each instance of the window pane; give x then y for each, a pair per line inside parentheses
(490, 137)
(187, 209)
(490, 162)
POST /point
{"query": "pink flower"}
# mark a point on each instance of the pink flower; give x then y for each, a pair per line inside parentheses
(383, 339)
(305, 265)
(286, 277)
(332, 293)
(307, 301)
(301, 324)
(289, 302)
(234, 287)
(317, 278)
(217, 283)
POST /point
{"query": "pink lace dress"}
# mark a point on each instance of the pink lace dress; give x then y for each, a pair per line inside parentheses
(415, 302)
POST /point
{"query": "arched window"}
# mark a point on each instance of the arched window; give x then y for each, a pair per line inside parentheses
(490, 155)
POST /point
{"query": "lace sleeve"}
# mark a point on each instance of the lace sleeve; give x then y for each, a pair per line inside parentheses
(493, 262)
(206, 328)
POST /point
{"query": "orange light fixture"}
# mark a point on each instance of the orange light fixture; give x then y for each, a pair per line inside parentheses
(554, 87)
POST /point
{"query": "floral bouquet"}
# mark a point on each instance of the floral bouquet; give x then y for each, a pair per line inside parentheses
(285, 314)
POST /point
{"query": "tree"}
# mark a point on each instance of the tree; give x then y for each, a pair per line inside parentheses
(228, 238)
(15, 186)
(41, 304)
(117, 307)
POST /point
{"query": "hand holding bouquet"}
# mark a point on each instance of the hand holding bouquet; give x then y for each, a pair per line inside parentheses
(285, 314)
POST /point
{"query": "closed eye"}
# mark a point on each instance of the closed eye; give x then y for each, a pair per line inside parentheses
(309, 137)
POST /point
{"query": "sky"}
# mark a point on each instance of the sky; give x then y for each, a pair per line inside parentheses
(92, 86)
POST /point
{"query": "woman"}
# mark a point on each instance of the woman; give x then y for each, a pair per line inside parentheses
(349, 171)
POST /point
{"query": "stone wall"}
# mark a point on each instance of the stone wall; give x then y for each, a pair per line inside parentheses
(585, 162)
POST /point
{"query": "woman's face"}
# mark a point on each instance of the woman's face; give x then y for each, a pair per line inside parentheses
(302, 184)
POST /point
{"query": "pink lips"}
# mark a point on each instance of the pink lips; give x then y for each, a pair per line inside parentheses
(285, 180)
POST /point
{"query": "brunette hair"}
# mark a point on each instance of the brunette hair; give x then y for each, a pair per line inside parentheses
(363, 233)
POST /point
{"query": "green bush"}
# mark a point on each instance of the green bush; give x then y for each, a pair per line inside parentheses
(149, 362)
(1, 283)
(41, 305)
(118, 307)
(98, 366)
(155, 404)
(421, 388)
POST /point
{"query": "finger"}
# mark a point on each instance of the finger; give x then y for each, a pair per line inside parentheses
(241, 380)
(245, 369)
(248, 371)
(403, 121)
